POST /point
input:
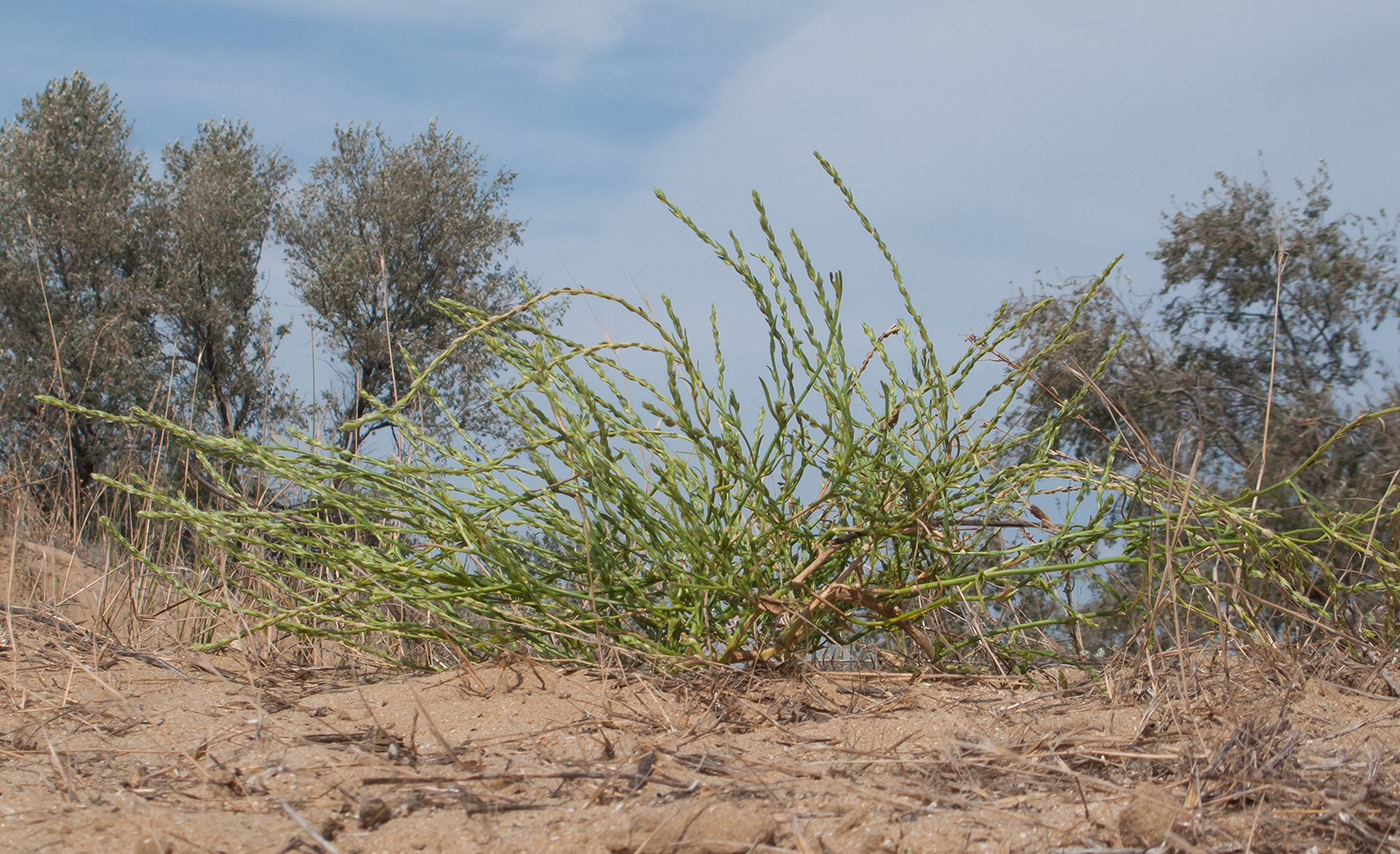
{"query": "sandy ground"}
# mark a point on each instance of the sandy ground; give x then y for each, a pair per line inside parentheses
(115, 750)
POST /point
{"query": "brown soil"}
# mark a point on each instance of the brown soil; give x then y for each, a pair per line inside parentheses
(108, 749)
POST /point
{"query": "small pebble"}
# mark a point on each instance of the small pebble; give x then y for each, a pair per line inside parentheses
(373, 813)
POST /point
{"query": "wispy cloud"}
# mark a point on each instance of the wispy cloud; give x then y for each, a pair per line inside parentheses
(561, 36)
(572, 31)
(992, 143)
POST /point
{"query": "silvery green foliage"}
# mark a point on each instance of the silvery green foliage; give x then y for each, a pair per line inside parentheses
(217, 201)
(377, 236)
(1198, 370)
(118, 290)
(77, 314)
(1250, 372)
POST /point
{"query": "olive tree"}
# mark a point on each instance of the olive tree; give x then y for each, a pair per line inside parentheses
(1257, 349)
(377, 235)
(217, 202)
(77, 314)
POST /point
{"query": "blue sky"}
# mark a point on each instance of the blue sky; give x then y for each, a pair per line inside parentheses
(993, 143)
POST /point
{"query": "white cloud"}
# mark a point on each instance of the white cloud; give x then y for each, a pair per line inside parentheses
(443, 12)
(565, 34)
(989, 142)
(571, 31)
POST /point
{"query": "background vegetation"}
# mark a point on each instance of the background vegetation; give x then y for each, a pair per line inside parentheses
(1210, 463)
(119, 288)
(1260, 361)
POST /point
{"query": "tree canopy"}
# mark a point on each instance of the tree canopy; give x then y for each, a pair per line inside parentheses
(216, 206)
(1257, 349)
(76, 298)
(378, 235)
(119, 289)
